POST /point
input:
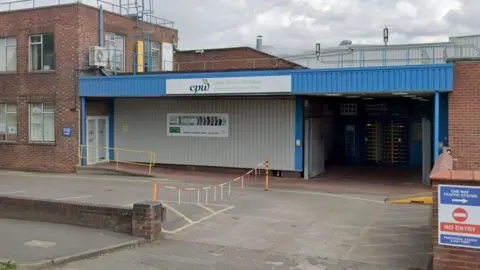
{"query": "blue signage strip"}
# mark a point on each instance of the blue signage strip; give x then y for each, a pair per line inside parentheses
(459, 195)
(456, 240)
(67, 132)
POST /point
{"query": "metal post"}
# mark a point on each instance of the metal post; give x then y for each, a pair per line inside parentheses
(154, 192)
(436, 126)
(267, 165)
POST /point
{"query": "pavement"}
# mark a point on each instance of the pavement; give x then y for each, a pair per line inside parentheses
(247, 228)
(38, 243)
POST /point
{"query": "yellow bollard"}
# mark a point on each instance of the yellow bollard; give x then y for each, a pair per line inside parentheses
(266, 173)
(154, 192)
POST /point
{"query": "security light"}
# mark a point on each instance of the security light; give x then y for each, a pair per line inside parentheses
(317, 50)
(385, 35)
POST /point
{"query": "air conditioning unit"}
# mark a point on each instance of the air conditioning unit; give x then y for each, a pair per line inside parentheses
(98, 56)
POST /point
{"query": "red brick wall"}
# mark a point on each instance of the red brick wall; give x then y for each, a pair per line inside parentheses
(446, 257)
(228, 59)
(75, 28)
(464, 114)
(97, 108)
(143, 220)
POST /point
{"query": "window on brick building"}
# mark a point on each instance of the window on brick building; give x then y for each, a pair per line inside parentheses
(8, 122)
(115, 45)
(155, 64)
(41, 52)
(8, 54)
(42, 122)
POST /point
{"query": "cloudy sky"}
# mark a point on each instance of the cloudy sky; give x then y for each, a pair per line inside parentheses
(296, 25)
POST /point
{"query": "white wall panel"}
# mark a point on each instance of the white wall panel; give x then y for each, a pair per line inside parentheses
(258, 128)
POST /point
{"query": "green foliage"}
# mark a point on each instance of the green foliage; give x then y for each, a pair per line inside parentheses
(8, 266)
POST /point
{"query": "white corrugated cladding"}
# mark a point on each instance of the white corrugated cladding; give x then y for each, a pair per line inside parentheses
(467, 46)
(258, 128)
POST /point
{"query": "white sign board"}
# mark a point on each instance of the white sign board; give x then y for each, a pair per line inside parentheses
(197, 124)
(231, 85)
(459, 216)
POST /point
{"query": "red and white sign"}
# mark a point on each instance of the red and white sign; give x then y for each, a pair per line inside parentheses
(460, 215)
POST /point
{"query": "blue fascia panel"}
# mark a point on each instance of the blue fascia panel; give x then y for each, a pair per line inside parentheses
(428, 78)
(418, 78)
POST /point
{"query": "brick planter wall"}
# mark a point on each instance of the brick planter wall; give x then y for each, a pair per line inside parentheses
(145, 219)
(446, 257)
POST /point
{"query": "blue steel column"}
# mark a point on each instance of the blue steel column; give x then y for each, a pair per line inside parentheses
(436, 126)
(83, 136)
(111, 128)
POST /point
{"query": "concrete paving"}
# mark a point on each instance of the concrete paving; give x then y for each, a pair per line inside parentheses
(34, 242)
(251, 228)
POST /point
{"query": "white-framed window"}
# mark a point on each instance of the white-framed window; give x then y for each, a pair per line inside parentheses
(115, 45)
(348, 109)
(8, 122)
(8, 54)
(155, 51)
(41, 52)
(42, 122)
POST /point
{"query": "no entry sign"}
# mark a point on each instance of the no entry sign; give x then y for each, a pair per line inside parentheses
(459, 216)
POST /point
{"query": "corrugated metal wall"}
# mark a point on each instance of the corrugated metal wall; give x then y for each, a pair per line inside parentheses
(258, 128)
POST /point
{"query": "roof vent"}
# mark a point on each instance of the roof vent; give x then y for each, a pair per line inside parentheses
(345, 42)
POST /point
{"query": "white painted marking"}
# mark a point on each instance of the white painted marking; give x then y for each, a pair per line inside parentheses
(74, 197)
(198, 221)
(39, 243)
(212, 204)
(12, 192)
(178, 213)
(206, 208)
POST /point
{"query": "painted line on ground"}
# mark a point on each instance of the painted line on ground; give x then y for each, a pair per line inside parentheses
(206, 208)
(13, 192)
(178, 213)
(194, 203)
(198, 221)
(74, 197)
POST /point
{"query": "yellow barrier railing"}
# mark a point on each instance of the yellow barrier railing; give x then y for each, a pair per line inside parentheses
(113, 155)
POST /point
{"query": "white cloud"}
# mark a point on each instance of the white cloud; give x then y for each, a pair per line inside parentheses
(294, 25)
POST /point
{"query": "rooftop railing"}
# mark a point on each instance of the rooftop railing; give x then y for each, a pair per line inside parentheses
(131, 62)
(11, 5)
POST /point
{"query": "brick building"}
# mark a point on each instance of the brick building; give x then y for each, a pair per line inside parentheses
(44, 50)
(229, 58)
(40, 51)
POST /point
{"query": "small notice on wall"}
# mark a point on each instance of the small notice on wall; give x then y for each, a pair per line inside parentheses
(197, 125)
(459, 216)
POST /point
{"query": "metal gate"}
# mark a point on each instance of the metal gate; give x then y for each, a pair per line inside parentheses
(372, 142)
(395, 143)
(314, 147)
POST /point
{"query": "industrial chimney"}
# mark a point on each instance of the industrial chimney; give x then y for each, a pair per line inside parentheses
(259, 42)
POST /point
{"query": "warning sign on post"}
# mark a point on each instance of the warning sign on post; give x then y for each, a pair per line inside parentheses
(459, 216)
